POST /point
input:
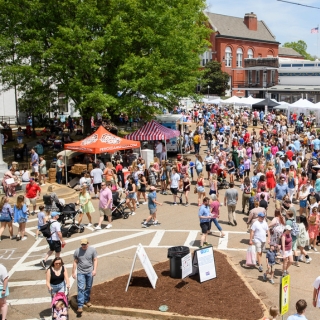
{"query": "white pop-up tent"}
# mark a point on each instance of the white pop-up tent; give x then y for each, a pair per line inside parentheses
(233, 100)
(306, 107)
(249, 101)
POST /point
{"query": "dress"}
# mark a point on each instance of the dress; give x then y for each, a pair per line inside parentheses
(88, 207)
(271, 181)
(313, 229)
(276, 231)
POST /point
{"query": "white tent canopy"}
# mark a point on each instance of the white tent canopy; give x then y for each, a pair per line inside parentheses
(233, 100)
(215, 101)
(302, 103)
(250, 101)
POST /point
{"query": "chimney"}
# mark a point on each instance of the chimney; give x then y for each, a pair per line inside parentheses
(250, 20)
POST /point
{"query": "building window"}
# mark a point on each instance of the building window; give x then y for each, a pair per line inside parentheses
(250, 54)
(239, 57)
(250, 76)
(205, 58)
(273, 76)
(62, 102)
(257, 77)
(228, 57)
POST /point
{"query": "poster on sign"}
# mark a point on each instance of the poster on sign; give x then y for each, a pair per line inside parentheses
(284, 294)
(147, 266)
(204, 264)
(186, 265)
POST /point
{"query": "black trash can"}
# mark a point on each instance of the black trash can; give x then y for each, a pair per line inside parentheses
(175, 254)
(255, 122)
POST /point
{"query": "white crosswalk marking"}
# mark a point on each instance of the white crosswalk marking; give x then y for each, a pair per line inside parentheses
(157, 238)
(191, 238)
(223, 242)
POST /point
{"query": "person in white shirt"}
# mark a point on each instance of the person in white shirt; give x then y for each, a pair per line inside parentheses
(158, 149)
(174, 184)
(96, 175)
(258, 237)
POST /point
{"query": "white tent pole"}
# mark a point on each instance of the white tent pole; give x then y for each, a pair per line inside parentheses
(66, 166)
(165, 145)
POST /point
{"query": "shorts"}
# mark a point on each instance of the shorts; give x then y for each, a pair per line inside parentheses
(104, 212)
(260, 246)
(22, 220)
(153, 211)
(241, 176)
(29, 201)
(6, 293)
(54, 245)
(131, 196)
(303, 203)
(212, 192)
(287, 253)
(200, 189)
(35, 168)
(205, 226)
(95, 185)
(174, 191)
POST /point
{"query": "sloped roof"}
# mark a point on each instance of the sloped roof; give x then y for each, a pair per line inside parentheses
(235, 27)
(283, 51)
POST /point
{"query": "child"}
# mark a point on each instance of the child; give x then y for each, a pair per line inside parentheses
(60, 311)
(42, 219)
(241, 170)
(271, 261)
(273, 313)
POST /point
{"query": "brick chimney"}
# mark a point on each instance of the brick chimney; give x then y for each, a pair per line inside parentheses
(250, 20)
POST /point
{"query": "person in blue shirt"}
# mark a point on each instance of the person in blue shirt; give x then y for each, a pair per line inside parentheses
(271, 261)
(241, 141)
(316, 144)
(280, 191)
(297, 145)
(152, 206)
(301, 307)
(191, 166)
(204, 217)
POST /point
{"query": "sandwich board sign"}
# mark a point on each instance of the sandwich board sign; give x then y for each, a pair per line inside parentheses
(204, 264)
(284, 294)
(186, 265)
(147, 266)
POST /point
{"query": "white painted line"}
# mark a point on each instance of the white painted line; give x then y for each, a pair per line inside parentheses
(27, 229)
(234, 249)
(27, 283)
(34, 268)
(98, 245)
(16, 302)
(117, 251)
(24, 257)
(32, 220)
(191, 238)
(32, 228)
(223, 242)
(157, 238)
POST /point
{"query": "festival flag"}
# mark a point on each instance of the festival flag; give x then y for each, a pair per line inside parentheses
(315, 30)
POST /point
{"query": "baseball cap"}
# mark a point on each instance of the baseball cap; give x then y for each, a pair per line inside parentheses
(261, 214)
(311, 190)
(84, 241)
(54, 213)
(287, 227)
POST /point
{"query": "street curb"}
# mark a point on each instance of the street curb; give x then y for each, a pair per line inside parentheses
(151, 314)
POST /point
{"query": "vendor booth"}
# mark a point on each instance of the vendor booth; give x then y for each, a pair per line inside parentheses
(101, 141)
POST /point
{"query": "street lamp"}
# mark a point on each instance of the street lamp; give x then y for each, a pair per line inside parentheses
(208, 90)
(3, 165)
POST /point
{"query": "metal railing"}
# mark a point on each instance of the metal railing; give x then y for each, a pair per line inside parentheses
(8, 119)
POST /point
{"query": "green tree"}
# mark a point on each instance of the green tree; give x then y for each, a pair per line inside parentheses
(301, 47)
(215, 78)
(115, 55)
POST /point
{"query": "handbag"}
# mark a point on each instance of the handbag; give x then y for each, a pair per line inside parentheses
(251, 256)
(195, 190)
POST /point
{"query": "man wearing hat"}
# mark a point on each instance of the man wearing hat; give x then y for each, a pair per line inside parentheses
(84, 268)
(258, 237)
(152, 206)
(55, 240)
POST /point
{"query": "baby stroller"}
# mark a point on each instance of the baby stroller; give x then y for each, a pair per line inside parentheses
(67, 213)
(59, 306)
(222, 179)
(118, 207)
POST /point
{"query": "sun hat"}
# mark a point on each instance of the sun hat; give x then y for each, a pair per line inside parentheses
(287, 227)
(84, 241)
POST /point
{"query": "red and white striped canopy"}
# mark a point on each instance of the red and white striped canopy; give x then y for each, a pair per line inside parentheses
(153, 131)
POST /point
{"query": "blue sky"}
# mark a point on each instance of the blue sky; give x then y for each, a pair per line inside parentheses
(286, 21)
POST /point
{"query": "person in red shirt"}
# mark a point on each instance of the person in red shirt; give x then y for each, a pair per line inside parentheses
(289, 153)
(33, 192)
(247, 137)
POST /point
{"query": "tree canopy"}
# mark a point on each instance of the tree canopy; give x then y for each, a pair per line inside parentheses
(215, 78)
(123, 55)
(301, 47)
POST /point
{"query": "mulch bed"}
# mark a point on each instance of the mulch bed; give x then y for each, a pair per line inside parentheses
(225, 297)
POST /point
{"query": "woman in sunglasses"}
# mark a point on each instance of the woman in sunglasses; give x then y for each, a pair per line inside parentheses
(57, 278)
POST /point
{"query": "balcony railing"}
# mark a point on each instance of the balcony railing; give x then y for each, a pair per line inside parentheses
(245, 84)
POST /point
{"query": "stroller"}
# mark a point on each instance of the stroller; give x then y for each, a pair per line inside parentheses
(59, 306)
(222, 179)
(67, 213)
(118, 207)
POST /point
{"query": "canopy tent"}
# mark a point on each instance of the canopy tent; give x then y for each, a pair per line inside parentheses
(153, 131)
(266, 102)
(102, 141)
(302, 103)
(215, 101)
(306, 107)
(250, 101)
(233, 100)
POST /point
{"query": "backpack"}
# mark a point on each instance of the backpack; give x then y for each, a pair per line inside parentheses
(45, 229)
(295, 229)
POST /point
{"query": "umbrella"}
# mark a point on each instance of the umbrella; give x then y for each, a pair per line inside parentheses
(266, 102)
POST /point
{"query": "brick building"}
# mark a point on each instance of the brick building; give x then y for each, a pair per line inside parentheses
(242, 46)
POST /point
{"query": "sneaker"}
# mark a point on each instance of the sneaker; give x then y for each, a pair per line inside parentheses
(89, 225)
(80, 310)
(271, 281)
(309, 247)
(88, 304)
(144, 225)
(206, 244)
(109, 226)
(260, 269)
(300, 258)
(235, 222)
(18, 238)
(12, 238)
(24, 238)
(36, 238)
(174, 204)
(156, 223)
(265, 277)
(97, 228)
(257, 263)
(132, 213)
(145, 202)
(43, 264)
(308, 260)
(164, 193)
(315, 249)
(186, 204)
